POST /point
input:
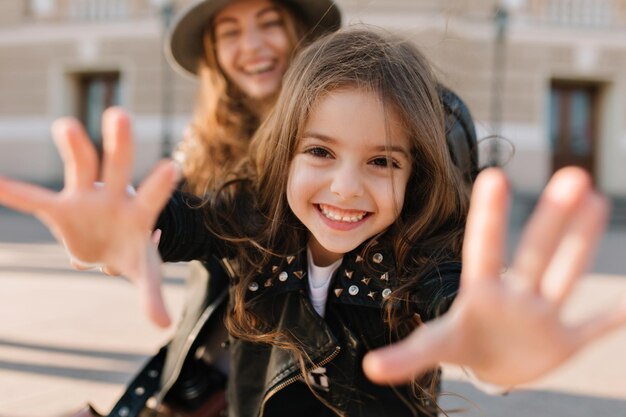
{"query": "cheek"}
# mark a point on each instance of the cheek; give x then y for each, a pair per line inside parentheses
(224, 55)
(279, 41)
(292, 189)
(300, 187)
(396, 200)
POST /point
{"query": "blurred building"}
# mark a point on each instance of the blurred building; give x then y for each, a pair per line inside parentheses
(548, 75)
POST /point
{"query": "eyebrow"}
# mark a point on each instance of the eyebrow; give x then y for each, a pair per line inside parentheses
(382, 148)
(260, 13)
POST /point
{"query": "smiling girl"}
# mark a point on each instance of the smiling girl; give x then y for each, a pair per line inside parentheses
(343, 233)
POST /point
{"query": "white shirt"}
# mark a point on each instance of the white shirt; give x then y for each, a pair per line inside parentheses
(319, 281)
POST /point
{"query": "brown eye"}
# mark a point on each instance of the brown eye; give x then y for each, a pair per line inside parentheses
(268, 24)
(383, 162)
(318, 152)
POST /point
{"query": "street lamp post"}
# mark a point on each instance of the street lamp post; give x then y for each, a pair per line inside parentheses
(501, 23)
(501, 18)
(166, 8)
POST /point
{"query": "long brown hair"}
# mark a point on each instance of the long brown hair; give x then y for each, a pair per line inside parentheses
(429, 229)
(223, 122)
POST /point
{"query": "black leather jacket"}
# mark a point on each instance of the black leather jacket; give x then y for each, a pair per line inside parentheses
(263, 378)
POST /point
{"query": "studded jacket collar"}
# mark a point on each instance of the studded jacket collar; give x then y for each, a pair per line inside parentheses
(335, 344)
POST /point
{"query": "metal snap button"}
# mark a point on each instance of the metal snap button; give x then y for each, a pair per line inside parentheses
(377, 258)
(353, 290)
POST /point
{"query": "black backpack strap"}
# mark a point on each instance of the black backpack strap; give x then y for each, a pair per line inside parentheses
(145, 384)
(175, 375)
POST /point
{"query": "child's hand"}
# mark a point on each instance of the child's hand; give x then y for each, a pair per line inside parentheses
(508, 330)
(103, 224)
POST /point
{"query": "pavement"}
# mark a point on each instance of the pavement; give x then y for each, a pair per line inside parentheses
(69, 337)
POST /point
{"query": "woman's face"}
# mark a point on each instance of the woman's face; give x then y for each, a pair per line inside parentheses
(252, 46)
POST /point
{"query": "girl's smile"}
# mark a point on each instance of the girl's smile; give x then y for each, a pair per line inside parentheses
(348, 177)
(341, 219)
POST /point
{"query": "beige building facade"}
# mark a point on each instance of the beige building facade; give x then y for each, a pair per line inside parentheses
(551, 80)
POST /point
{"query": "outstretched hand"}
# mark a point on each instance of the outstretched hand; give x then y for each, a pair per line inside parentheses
(508, 329)
(103, 224)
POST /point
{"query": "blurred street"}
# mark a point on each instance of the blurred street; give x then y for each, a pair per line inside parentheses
(69, 337)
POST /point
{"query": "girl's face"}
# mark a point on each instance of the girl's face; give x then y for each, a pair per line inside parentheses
(252, 46)
(349, 174)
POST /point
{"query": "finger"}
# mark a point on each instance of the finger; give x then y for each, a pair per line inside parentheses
(118, 150)
(401, 362)
(112, 272)
(80, 160)
(485, 232)
(79, 266)
(156, 189)
(576, 250)
(25, 197)
(559, 201)
(150, 289)
(156, 237)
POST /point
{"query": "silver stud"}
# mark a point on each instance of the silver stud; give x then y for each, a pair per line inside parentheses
(385, 276)
(282, 277)
(274, 268)
(359, 258)
(353, 290)
(366, 281)
(338, 292)
(254, 286)
(377, 258)
(290, 259)
(372, 294)
(349, 274)
(139, 391)
(124, 411)
(153, 373)
(386, 293)
(268, 282)
(298, 274)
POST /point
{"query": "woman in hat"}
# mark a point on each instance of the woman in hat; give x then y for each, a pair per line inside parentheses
(239, 50)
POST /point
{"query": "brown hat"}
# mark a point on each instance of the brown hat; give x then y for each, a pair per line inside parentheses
(184, 44)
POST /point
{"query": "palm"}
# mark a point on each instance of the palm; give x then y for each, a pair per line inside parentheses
(102, 222)
(506, 326)
(508, 330)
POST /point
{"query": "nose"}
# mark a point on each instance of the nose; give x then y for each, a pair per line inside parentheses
(347, 183)
(251, 39)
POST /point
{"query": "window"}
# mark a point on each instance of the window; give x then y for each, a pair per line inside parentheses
(584, 13)
(98, 9)
(96, 92)
(41, 8)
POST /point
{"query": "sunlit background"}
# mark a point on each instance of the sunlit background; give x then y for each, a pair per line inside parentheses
(548, 75)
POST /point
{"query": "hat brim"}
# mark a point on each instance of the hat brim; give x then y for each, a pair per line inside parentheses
(184, 44)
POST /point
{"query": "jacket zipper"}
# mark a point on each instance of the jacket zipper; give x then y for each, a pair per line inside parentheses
(293, 379)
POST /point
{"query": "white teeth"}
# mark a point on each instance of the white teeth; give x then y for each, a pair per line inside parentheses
(259, 67)
(341, 218)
